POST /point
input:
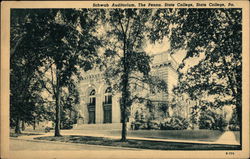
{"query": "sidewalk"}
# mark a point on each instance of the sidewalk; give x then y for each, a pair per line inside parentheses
(226, 139)
(85, 146)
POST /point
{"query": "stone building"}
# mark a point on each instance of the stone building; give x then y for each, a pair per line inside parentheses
(100, 108)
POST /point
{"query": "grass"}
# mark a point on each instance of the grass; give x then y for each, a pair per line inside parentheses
(141, 144)
(197, 135)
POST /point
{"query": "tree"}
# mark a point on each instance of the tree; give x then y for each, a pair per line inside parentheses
(216, 35)
(70, 99)
(127, 64)
(26, 103)
(62, 40)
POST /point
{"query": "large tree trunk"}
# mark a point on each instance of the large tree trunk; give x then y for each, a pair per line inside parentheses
(124, 126)
(125, 85)
(58, 116)
(17, 127)
(58, 104)
(125, 104)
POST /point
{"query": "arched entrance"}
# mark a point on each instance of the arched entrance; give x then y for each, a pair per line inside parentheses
(92, 106)
(107, 106)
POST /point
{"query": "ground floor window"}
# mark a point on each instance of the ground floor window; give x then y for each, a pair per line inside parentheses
(107, 113)
(91, 117)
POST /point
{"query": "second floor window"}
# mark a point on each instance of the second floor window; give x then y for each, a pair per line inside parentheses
(92, 97)
(108, 96)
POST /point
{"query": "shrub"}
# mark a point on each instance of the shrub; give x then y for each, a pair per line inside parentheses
(67, 124)
(174, 123)
(234, 127)
(136, 125)
(139, 125)
(212, 120)
(154, 124)
(143, 126)
(47, 129)
(150, 124)
(234, 124)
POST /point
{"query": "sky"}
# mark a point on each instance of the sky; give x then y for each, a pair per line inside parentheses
(179, 55)
(164, 46)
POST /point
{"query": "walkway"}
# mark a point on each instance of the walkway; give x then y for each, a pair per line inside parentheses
(34, 145)
(228, 138)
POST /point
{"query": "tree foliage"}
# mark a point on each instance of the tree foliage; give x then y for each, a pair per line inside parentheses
(60, 40)
(127, 64)
(215, 36)
(26, 103)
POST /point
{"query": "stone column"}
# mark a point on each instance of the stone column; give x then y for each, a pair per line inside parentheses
(85, 109)
(98, 110)
(116, 112)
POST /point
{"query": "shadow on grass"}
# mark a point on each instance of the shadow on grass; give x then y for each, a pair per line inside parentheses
(141, 144)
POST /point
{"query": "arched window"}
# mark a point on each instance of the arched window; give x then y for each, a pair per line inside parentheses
(108, 96)
(92, 93)
(92, 97)
(91, 106)
(107, 106)
(108, 90)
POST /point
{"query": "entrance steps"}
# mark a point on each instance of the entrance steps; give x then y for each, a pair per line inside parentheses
(108, 126)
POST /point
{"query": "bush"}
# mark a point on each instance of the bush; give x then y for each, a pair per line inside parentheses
(211, 120)
(151, 124)
(174, 123)
(138, 125)
(67, 125)
(154, 124)
(234, 124)
(47, 129)
(143, 126)
(234, 127)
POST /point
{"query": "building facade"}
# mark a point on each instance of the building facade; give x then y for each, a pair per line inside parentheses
(98, 106)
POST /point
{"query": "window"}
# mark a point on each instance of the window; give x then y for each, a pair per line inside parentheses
(91, 106)
(108, 96)
(107, 106)
(92, 93)
(92, 97)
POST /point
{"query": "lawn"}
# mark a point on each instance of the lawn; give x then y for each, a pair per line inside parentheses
(141, 144)
(194, 135)
(197, 135)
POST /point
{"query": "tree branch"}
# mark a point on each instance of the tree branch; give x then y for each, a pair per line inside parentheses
(132, 83)
(44, 86)
(12, 51)
(139, 79)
